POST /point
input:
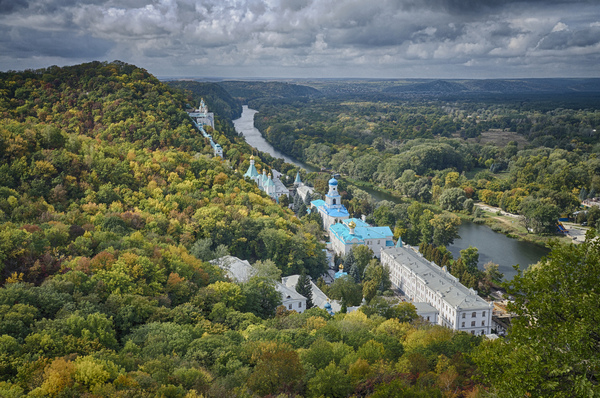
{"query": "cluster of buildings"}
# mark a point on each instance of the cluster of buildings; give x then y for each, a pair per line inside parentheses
(437, 295)
(271, 184)
(241, 271)
(345, 232)
(202, 117)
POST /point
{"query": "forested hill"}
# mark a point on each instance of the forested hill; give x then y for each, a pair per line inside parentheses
(221, 102)
(247, 91)
(100, 159)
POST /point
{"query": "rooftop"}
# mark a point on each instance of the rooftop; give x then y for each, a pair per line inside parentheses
(321, 205)
(237, 270)
(362, 231)
(424, 308)
(438, 279)
(319, 298)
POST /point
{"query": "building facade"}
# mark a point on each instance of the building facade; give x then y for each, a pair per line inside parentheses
(331, 209)
(202, 116)
(353, 232)
(270, 184)
(458, 307)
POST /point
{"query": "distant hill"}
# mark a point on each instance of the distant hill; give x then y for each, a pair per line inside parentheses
(217, 98)
(247, 91)
(499, 86)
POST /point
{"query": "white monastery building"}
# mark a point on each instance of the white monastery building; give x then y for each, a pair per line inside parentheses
(353, 232)
(241, 271)
(202, 116)
(331, 209)
(301, 189)
(271, 186)
(422, 281)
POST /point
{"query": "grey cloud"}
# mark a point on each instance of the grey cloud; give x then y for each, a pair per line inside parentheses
(467, 7)
(25, 43)
(565, 39)
(384, 36)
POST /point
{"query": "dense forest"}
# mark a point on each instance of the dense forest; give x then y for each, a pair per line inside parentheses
(111, 208)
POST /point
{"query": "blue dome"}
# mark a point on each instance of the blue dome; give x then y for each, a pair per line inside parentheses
(333, 181)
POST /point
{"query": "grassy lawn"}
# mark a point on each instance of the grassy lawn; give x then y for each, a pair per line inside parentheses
(513, 227)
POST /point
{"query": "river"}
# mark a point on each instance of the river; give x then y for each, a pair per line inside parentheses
(245, 125)
(492, 246)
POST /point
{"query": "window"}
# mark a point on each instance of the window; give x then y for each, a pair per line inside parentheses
(290, 306)
(334, 201)
(483, 313)
(482, 323)
(463, 315)
(300, 304)
(473, 323)
(472, 332)
(474, 315)
(427, 318)
(462, 325)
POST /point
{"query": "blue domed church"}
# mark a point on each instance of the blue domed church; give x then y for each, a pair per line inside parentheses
(331, 209)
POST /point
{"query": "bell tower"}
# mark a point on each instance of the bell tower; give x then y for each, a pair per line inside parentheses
(333, 200)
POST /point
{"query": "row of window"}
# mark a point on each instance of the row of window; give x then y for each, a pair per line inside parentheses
(473, 315)
(472, 324)
(299, 305)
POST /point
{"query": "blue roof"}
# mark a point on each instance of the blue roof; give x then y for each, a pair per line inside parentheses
(361, 232)
(339, 274)
(333, 181)
(297, 180)
(269, 183)
(252, 172)
(337, 212)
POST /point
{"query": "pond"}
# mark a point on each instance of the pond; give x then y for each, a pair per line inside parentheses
(497, 248)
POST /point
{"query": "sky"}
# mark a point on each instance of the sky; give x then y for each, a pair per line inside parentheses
(309, 38)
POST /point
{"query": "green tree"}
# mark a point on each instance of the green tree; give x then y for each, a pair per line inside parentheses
(304, 287)
(362, 255)
(470, 258)
(552, 346)
(445, 228)
(539, 215)
(262, 299)
(452, 199)
(330, 382)
(344, 288)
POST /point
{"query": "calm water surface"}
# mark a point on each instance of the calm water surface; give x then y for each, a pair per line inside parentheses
(497, 248)
(245, 125)
(492, 246)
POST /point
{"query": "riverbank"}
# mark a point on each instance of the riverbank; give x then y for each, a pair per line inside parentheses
(510, 225)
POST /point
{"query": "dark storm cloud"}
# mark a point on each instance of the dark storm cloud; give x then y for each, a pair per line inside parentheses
(8, 6)
(24, 42)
